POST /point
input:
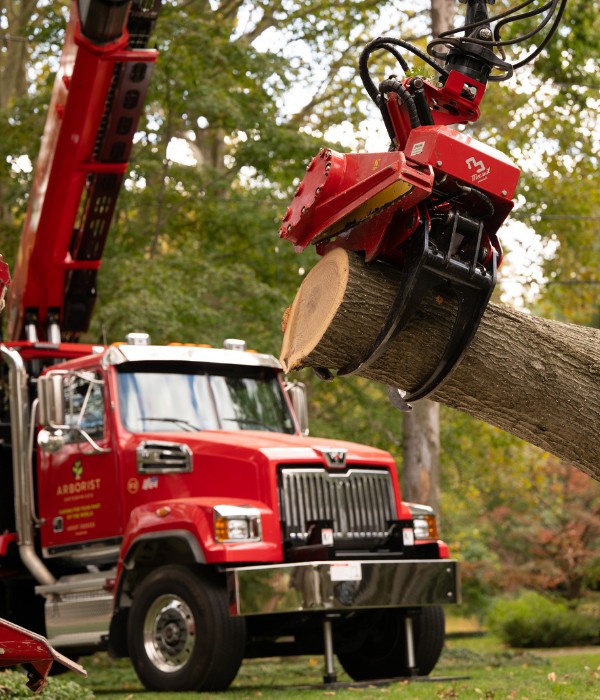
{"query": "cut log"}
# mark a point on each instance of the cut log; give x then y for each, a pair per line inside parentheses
(535, 378)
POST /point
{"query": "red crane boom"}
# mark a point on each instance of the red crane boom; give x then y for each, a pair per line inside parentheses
(96, 102)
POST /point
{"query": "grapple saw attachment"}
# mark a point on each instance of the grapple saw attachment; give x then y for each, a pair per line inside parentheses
(431, 205)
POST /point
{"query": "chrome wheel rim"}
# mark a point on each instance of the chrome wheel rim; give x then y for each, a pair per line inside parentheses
(169, 633)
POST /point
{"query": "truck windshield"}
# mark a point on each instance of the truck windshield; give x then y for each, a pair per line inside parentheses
(201, 398)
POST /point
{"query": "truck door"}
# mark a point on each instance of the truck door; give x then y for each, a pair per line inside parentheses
(78, 487)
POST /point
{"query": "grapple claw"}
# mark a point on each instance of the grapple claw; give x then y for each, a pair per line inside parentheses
(425, 269)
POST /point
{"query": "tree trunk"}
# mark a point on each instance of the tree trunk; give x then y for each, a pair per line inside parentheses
(13, 76)
(442, 16)
(421, 454)
(535, 378)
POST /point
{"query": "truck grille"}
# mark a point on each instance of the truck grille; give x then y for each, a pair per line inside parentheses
(359, 502)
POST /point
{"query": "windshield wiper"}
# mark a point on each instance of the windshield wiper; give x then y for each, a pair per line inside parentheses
(251, 421)
(178, 421)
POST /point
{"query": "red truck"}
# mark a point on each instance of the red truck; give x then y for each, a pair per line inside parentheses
(166, 502)
(168, 508)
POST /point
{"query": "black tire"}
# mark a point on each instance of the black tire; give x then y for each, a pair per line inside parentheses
(180, 634)
(382, 652)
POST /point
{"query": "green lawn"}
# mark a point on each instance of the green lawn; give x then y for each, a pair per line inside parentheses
(470, 668)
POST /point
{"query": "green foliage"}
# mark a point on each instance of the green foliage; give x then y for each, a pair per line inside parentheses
(514, 515)
(353, 409)
(533, 620)
(475, 667)
(13, 685)
(180, 297)
(559, 548)
(547, 120)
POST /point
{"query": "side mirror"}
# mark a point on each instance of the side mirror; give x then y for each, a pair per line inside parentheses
(298, 397)
(52, 399)
(51, 440)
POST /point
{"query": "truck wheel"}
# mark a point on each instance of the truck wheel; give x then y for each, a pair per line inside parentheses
(180, 634)
(382, 652)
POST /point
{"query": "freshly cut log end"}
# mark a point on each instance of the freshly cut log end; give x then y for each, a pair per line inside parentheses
(313, 310)
(338, 312)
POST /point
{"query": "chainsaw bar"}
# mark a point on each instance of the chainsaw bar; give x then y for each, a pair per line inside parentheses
(354, 197)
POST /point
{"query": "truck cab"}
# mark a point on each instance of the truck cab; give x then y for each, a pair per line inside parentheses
(170, 507)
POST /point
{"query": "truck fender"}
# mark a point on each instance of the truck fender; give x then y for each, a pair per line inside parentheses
(176, 531)
(170, 546)
(181, 531)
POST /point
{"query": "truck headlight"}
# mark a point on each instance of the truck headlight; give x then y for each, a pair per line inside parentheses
(237, 524)
(424, 522)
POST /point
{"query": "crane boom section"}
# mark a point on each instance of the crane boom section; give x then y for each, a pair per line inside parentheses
(96, 102)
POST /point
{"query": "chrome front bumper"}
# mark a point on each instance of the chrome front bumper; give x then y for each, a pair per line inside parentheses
(341, 585)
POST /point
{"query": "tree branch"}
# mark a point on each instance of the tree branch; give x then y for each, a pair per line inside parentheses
(535, 378)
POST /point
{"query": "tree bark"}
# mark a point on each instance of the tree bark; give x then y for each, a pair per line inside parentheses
(421, 454)
(442, 16)
(535, 378)
(13, 76)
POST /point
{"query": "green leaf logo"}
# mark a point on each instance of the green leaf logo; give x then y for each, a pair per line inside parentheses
(77, 470)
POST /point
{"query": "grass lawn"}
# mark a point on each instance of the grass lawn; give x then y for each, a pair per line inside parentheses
(470, 668)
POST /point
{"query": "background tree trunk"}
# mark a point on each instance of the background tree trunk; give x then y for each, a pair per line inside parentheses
(14, 50)
(535, 378)
(13, 77)
(442, 16)
(421, 426)
(421, 452)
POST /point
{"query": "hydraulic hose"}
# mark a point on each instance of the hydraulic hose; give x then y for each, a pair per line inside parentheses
(393, 85)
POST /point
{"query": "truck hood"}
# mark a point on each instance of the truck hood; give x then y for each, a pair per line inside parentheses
(236, 464)
(284, 448)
